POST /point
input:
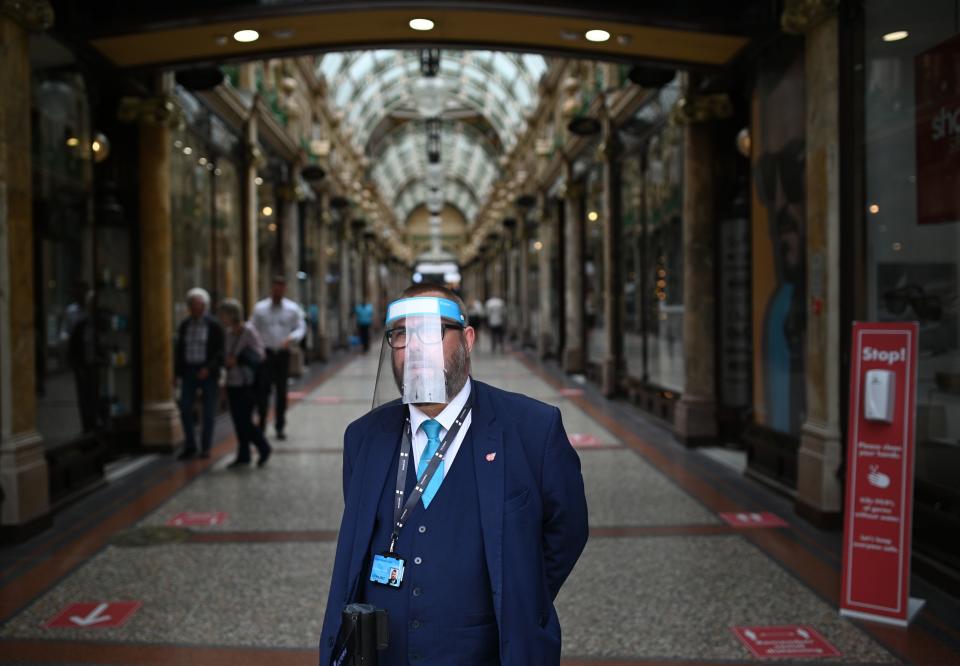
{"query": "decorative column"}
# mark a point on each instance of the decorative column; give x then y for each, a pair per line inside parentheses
(819, 491)
(160, 423)
(346, 286)
(23, 466)
(250, 210)
(545, 275)
(573, 353)
(523, 281)
(323, 262)
(514, 317)
(695, 420)
(612, 364)
(290, 231)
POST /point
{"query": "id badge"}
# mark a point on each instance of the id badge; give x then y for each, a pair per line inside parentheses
(387, 569)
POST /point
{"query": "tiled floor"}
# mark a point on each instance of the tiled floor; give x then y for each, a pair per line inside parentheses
(662, 580)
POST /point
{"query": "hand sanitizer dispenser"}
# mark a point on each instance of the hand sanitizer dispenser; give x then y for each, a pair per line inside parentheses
(879, 394)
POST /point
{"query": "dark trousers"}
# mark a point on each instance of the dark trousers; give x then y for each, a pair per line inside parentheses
(364, 330)
(241, 400)
(85, 381)
(189, 384)
(496, 338)
(273, 374)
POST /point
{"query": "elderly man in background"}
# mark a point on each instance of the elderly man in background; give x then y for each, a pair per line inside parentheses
(280, 322)
(197, 361)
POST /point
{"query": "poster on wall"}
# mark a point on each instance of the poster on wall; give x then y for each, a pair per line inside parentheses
(779, 241)
(937, 118)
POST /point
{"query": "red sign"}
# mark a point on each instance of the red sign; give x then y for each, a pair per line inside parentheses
(582, 439)
(876, 531)
(198, 519)
(754, 519)
(94, 615)
(571, 392)
(937, 117)
(786, 642)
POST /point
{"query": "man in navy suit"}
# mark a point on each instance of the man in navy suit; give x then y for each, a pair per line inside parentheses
(496, 529)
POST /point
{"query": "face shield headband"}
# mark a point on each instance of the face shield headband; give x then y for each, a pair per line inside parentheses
(413, 360)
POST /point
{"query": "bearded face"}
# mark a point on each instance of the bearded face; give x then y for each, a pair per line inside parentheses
(456, 365)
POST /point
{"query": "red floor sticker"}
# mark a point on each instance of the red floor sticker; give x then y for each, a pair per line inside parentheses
(754, 519)
(295, 395)
(583, 439)
(786, 642)
(94, 615)
(571, 392)
(328, 400)
(198, 519)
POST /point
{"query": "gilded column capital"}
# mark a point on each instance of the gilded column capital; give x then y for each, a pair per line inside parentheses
(35, 15)
(800, 16)
(701, 109)
(161, 110)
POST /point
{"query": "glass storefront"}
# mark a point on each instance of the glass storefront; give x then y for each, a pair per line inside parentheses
(66, 326)
(912, 215)
(593, 268)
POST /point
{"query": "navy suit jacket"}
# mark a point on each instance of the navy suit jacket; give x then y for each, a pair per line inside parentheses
(533, 514)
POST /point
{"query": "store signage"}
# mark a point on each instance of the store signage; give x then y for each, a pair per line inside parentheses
(581, 439)
(880, 450)
(95, 615)
(937, 118)
(753, 519)
(198, 519)
(792, 641)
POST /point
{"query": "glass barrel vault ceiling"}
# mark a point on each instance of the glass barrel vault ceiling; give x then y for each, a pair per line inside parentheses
(487, 96)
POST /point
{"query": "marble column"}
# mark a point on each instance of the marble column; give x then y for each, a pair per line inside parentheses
(322, 268)
(695, 418)
(346, 287)
(514, 316)
(523, 280)
(253, 160)
(612, 366)
(573, 352)
(290, 232)
(160, 422)
(545, 287)
(819, 491)
(23, 466)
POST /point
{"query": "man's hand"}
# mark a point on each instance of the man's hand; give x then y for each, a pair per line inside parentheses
(286, 343)
(203, 373)
(231, 361)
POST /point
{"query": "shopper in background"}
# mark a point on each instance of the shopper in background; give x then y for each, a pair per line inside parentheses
(245, 353)
(197, 363)
(280, 322)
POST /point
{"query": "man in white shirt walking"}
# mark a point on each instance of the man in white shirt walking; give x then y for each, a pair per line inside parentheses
(280, 323)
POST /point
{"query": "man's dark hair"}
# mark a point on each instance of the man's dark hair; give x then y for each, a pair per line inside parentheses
(434, 288)
(279, 279)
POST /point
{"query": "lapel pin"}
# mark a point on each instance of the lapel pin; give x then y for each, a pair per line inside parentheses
(491, 456)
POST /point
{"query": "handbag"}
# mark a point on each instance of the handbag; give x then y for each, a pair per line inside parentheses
(248, 362)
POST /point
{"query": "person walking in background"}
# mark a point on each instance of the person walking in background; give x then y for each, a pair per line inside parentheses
(364, 315)
(280, 322)
(476, 314)
(197, 363)
(496, 316)
(244, 355)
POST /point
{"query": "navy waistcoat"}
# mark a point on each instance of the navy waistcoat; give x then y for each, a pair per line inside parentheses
(443, 613)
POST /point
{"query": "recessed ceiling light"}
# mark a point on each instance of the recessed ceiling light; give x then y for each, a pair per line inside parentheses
(597, 35)
(896, 36)
(421, 24)
(246, 35)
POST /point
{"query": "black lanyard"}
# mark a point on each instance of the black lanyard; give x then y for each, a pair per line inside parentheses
(400, 510)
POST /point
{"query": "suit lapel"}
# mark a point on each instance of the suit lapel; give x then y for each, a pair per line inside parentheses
(489, 464)
(381, 451)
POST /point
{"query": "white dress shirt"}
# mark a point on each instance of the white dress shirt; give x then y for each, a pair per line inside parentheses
(446, 419)
(276, 323)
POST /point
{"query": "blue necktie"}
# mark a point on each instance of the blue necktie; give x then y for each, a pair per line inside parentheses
(431, 429)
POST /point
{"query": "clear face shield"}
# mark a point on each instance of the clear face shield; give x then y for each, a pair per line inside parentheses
(416, 365)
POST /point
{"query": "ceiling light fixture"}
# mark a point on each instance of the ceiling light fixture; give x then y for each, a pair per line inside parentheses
(246, 36)
(421, 24)
(896, 36)
(597, 35)
(267, 211)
